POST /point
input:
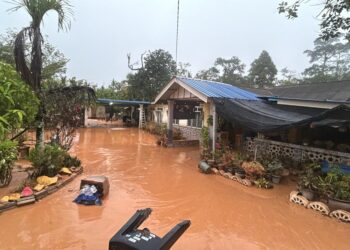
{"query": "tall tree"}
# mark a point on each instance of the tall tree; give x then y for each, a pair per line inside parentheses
(212, 74)
(32, 74)
(289, 77)
(116, 90)
(226, 70)
(231, 69)
(158, 67)
(54, 61)
(263, 71)
(183, 70)
(31, 68)
(334, 15)
(330, 60)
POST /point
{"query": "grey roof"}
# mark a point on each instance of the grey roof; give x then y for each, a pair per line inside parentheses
(328, 91)
(213, 89)
(260, 91)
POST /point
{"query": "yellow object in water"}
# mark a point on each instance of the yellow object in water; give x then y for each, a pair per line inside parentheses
(65, 171)
(46, 181)
(14, 197)
(38, 187)
(5, 198)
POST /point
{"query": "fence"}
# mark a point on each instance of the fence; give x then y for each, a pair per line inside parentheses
(298, 153)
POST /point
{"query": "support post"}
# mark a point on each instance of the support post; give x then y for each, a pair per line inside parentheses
(141, 116)
(214, 128)
(170, 122)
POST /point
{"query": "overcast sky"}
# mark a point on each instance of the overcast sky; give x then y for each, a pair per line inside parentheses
(104, 31)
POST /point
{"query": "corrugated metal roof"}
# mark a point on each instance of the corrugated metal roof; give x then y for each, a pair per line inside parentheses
(213, 89)
(338, 91)
(121, 102)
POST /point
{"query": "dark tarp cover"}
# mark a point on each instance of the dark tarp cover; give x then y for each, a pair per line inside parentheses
(260, 116)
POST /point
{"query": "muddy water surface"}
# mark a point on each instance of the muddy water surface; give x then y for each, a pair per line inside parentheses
(224, 214)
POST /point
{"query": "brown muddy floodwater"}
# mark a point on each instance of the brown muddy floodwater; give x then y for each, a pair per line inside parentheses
(224, 214)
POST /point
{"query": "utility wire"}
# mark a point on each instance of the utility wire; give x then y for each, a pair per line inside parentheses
(177, 31)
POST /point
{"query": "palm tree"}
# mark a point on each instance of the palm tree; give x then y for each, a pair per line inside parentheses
(29, 66)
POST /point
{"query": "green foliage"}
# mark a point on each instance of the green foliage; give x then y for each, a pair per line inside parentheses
(263, 71)
(30, 67)
(309, 178)
(334, 15)
(54, 61)
(183, 70)
(70, 161)
(274, 167)
(18, 104)
(289, 77)
(205, 137)
(226, 70)
(37, 9)
(335, 184)
(330, 60)
(231, 69)
(157, 70)
(50, 159)
(8, 155)
(263, 183)
(116, 90)
(212, 74)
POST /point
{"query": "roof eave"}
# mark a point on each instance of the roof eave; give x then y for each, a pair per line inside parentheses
(200, 95)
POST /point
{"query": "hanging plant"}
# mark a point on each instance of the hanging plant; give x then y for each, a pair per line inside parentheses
(210, 120)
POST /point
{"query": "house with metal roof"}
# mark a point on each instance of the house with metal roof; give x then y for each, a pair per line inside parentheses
(189, 104)
(176, 101)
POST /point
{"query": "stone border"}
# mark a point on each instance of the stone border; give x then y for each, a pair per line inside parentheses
(319, 207)
(230, 176)
(39, 195)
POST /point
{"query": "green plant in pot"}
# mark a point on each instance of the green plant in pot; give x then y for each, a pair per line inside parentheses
(263, 183)
(275, 169)
(310, 181)
(336, 186)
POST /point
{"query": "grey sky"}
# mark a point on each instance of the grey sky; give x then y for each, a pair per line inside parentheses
(104, 31)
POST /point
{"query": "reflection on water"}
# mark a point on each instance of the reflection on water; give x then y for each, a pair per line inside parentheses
(224, 214)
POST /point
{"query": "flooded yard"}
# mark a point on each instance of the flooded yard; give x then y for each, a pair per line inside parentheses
(224, 214)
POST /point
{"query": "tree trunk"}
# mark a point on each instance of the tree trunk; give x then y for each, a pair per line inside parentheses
(36, 68)
(39, 124)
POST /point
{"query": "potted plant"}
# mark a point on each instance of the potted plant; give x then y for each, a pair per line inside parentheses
(336, 186)
(310, 181)
(263, 183)
(253, 169)
(275, 169)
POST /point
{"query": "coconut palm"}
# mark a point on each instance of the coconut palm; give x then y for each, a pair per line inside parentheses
(29, 65)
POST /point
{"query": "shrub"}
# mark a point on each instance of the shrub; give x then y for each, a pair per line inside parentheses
(49, 160)
(8, 154)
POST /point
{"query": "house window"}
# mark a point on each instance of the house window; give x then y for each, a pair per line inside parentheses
(197, 122)
(159, 115)
(176, 121)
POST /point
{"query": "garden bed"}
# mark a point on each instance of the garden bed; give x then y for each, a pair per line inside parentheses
(62, 181)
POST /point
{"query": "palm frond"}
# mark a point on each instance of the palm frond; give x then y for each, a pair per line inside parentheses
(37, 9)
(20, 57)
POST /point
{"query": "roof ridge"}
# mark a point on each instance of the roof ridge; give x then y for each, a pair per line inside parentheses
(310, 84)
(202, 80)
